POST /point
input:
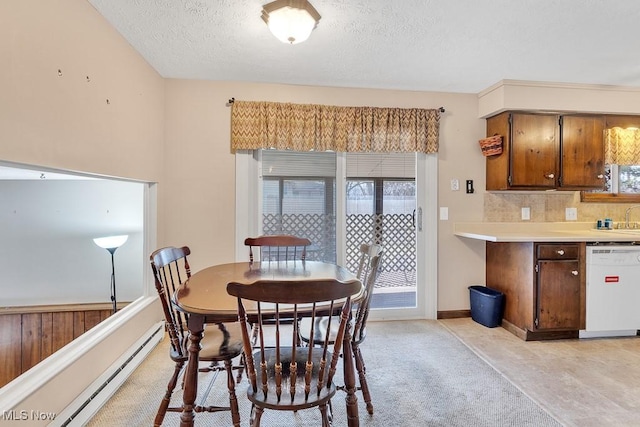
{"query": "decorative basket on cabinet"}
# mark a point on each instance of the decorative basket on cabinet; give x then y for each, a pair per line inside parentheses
(491, 145)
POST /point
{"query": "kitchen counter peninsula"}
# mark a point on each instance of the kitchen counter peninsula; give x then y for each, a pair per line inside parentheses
(543, 232)
(540, 267)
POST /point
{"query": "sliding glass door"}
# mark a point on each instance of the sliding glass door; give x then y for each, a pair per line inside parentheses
(381, 208)
(340, 200)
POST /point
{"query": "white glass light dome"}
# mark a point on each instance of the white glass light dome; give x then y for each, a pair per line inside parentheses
(291, 21)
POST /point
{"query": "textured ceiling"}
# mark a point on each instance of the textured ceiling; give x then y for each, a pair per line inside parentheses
(427, 45)
(424, 45)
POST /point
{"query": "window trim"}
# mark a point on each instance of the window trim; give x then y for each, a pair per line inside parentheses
(614, 196)
(586, 196)
(611, 121)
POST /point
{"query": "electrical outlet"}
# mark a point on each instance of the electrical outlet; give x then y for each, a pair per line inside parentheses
(455, 185)
(526, 214)
(571, 214)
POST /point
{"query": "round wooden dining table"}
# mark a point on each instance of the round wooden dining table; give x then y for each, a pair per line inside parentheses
(204, 298)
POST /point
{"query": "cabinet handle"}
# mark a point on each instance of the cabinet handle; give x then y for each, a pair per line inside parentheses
(561, 252)
(550, 176)
(574, 272)
(600, 176)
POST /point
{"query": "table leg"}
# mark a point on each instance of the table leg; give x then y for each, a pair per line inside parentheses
(196, 327)
(350, 380)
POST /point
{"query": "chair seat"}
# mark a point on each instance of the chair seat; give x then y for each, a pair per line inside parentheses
(217, 343)
(299, 399)
(320, 329)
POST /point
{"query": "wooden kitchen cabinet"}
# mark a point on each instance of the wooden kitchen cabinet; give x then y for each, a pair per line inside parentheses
(529, 151)
(582, 152)
(546, 151)
(544, 287)
(557, 287)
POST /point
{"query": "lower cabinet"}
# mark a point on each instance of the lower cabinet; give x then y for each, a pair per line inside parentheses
(544, 287)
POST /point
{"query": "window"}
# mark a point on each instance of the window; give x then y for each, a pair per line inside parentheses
(622, 167)
(299, 198)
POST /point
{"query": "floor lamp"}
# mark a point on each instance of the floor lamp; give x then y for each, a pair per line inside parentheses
(112, 243)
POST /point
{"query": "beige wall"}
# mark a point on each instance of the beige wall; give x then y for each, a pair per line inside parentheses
(65, 121)
(198, 196)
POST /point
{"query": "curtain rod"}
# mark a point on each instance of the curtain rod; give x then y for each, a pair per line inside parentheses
(232, 100)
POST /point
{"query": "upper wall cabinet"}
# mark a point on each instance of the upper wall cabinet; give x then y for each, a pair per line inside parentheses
(582, 152)
(546, 152)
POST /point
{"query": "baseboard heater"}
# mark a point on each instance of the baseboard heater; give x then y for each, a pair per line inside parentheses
(118, 372)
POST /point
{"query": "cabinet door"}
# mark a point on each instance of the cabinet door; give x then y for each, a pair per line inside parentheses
(558, 295)
(498, 166)
(534, 150)
(582, 148)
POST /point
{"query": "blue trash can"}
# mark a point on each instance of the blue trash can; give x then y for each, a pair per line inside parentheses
(487, 305)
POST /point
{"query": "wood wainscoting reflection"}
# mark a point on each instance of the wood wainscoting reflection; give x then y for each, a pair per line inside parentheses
(30, 334)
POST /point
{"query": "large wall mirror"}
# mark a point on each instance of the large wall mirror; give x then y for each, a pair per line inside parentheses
(56, 281)
(48, 222)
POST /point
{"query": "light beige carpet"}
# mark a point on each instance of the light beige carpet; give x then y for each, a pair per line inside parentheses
(418, 372)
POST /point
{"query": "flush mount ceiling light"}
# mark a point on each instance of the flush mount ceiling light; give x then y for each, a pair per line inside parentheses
(291, 21)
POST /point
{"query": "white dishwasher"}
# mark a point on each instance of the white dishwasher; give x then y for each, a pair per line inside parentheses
(613, 291)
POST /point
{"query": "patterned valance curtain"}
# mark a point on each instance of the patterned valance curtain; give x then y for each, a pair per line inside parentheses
(306, 127)
(622, 146)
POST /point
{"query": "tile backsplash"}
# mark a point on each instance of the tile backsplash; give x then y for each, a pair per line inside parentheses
(549, 207)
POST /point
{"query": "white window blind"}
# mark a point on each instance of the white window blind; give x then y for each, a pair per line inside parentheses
(298, 164)
(381, 165)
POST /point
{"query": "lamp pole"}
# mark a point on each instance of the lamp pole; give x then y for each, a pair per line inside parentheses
(113, 280)
(112, 243)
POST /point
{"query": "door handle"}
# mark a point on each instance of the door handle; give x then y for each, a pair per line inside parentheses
(574, 272)
(419, 219)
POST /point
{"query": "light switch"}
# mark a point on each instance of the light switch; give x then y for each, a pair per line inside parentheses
(444, 214)
(526, 214)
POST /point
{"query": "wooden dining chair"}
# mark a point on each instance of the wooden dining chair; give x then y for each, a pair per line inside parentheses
(280, 247)
(368, 269)
(292, 377)
(220, 342)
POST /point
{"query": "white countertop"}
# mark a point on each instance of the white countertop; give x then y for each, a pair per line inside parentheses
(542, 232)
